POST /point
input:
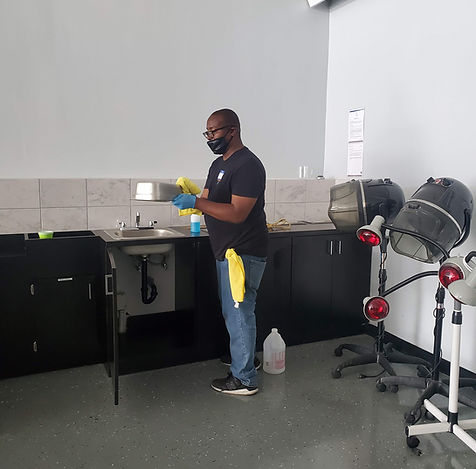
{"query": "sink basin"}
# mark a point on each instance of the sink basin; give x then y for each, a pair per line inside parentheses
(134, 233)
(146, 249)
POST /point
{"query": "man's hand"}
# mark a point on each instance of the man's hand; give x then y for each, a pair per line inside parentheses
(183, 201)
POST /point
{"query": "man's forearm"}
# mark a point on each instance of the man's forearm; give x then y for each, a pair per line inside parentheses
(223, 212)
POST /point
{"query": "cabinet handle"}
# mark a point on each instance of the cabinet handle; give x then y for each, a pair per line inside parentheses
(32, 289)
(89, 291)
(35, 347)
(65, 279)
(330, 247)
(107, 278)
(339, 247)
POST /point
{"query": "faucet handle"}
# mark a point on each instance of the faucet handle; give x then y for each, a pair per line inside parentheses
(121, 224)
(152, 223)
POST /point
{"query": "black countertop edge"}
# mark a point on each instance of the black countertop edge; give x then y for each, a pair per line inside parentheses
(14, 244)
(308, 228)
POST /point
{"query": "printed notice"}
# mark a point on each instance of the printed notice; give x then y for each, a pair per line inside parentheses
(355, 143)
(356, 125)
(355, 152)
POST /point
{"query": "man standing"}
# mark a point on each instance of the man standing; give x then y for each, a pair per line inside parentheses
(233, 204)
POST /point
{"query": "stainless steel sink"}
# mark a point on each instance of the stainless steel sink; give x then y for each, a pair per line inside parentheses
(134, 233)
(144, 249)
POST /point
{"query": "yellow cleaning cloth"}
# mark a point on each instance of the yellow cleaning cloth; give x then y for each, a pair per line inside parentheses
(188, 187)
(236, 272)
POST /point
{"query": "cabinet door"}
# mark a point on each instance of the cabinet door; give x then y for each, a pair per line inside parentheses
(17, 337)
(66, 321)
(212, 336)
(311, 311)
(350, 283)
(274, 295)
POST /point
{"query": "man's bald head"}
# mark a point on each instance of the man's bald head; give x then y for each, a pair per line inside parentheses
(223, 132)
(226, 117)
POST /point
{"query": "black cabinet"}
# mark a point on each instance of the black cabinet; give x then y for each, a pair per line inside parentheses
(211, 333)
(50, 318)
(312, 289)
(65, 316)
(65, 289)
(351, 261)
(330, 278)
(16, 322)
(55, 313)
(274, 295)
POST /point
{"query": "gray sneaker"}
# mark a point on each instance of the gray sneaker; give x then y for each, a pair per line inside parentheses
(232, 385)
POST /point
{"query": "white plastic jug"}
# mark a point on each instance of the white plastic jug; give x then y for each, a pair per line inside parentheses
(274, 353)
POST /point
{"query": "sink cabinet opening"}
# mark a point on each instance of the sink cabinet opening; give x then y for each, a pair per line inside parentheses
(161, 272)
(162, 333)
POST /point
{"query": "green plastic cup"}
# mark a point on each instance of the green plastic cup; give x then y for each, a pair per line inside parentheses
(45, 234)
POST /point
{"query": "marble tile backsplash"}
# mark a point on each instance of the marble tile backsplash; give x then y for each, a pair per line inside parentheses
(29, 205)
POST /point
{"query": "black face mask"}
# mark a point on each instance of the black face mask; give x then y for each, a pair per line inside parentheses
(219, 145)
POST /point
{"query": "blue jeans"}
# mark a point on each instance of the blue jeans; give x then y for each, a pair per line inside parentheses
(241, 322)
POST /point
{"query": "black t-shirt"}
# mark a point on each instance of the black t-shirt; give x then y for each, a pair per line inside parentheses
(244, 175)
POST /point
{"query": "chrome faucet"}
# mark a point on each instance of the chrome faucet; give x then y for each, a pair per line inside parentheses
(151, 223)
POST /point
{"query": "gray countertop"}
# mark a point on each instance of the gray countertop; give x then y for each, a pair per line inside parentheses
(186, 234)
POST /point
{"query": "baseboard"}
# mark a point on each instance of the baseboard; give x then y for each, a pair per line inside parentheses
(411, 349)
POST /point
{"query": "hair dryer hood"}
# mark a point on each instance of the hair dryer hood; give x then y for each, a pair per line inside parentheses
(439, 210)
(355, 203)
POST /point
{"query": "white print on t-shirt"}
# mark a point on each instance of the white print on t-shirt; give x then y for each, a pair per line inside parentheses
(220, 175)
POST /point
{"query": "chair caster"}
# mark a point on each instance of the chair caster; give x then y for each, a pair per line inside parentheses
(336, 374)
(412, 418)
(393, 388)
(338, 352)
(380, 386)
(412, 441)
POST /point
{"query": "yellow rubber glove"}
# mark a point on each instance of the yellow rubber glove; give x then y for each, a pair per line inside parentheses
(188, 187)
(236, 272)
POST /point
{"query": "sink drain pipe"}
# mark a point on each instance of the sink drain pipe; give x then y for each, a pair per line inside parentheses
(147, 282)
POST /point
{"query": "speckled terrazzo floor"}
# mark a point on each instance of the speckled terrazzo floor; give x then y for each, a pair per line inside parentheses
(170, 418)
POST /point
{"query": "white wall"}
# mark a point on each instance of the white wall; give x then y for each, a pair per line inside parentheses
(411, 66)
(119, 88)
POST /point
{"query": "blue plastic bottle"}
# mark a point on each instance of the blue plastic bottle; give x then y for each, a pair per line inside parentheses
(195, 223)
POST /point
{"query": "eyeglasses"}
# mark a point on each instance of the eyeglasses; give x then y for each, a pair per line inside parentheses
(211, 133)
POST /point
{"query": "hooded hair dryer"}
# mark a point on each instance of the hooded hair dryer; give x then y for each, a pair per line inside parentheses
(356, 202)
(440, 210)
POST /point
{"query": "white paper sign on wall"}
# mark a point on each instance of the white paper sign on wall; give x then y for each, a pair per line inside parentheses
(355, 142)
